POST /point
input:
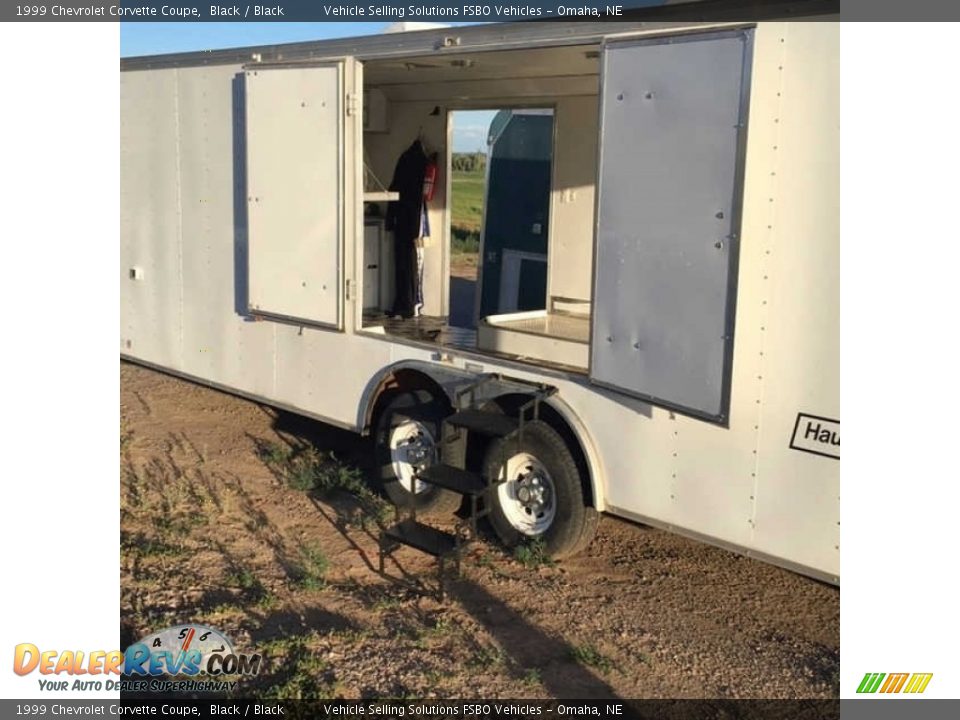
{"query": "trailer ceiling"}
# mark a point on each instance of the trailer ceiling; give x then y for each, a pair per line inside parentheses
(555, 71)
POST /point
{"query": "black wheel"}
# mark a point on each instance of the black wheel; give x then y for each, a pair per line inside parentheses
(407, 434)
(543, 495)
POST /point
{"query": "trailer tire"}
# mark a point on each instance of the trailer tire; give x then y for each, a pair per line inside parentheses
(543, 497)
(412, 419)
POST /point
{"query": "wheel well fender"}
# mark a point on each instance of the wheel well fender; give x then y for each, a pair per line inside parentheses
(561, 417)
(407, 375)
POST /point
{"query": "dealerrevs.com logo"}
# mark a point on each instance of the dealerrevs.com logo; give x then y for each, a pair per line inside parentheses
(910, 683)
(170, 660)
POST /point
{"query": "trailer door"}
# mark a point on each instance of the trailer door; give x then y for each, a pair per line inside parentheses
(672, 134)
(299, 136)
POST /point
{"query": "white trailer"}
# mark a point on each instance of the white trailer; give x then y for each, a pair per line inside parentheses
(684, 370)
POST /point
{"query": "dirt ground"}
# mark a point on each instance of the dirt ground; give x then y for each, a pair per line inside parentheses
(215, 531)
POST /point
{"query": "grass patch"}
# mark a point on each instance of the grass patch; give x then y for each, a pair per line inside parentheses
(464, 241)
(311, 574)
(305, 675)
(532, 676)
(126, 435)
(307, 470)
(138, 544)
(441, 627)
(468, 191)
(387, 603)
(244, 579)
(488, 561)
(225, 609)
(158, 548)
(252, 588)
(533, 554)
(132, 494)
(267, 601)
(275, 454)
(587, 654)
(488, 658)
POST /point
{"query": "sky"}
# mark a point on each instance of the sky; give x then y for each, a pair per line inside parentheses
(469, 130)
(147, 38)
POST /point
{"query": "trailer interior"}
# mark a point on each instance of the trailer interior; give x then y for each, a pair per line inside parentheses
(522, 312)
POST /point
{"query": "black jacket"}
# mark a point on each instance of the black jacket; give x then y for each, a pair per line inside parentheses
(404, 215)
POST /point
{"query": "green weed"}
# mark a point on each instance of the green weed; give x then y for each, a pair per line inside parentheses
(309, 471)
(533, 554)
(126, 435)
(310, 575)
(267, 601)
(488, 658)
(273, 453)
(532, 676)
(243, 578)
(587, 654)
(306, 677)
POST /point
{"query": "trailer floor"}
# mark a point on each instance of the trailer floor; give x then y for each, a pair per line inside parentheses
(215, 531)
(423, 329)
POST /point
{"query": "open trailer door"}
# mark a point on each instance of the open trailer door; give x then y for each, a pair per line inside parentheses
(672, 139)
(301, 129)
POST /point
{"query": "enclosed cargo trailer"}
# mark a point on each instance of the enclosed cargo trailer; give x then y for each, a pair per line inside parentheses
(684, 371)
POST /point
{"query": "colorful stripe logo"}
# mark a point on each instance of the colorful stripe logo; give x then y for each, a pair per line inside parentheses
(894, 682)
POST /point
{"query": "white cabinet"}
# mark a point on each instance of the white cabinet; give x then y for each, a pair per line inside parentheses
(377, 265)
(374, 111)
(372, 239)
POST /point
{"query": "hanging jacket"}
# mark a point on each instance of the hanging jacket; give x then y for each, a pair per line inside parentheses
(404, 215)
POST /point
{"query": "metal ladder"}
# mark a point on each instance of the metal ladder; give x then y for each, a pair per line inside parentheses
(466, 417)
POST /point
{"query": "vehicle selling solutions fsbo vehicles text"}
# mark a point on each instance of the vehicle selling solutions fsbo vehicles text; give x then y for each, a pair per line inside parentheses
(465, 11)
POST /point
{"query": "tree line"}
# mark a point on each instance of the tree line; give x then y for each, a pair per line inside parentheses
(469, 162)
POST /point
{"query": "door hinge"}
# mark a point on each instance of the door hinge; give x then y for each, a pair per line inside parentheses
(351, 104)
(348, 288)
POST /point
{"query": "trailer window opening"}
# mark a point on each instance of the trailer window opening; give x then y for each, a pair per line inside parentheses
(492, 279)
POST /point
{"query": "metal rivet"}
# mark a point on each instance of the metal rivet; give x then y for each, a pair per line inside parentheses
(719, 215)
(620, 96)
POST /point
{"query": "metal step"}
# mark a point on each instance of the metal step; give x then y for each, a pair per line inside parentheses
(484, 423)
(422, 537)
(454, 478)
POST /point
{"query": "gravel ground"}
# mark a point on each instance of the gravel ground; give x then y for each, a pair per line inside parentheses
(212, 532)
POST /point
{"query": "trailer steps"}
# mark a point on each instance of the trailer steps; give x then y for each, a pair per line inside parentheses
(453, 478)
(422, 537)
(467, 416)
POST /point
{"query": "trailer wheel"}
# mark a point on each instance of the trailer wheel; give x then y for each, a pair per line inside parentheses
(542, 496)
(407, 431)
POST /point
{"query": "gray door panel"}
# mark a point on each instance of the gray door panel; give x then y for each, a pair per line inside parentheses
(295, 171)
(673, 113)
